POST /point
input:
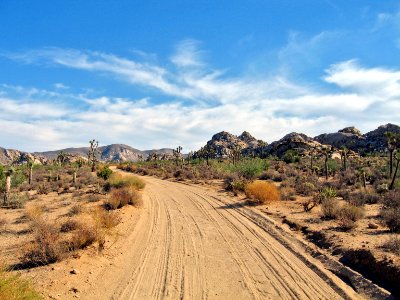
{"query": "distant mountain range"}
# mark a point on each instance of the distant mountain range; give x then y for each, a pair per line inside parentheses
(222, 142)
(114, 152)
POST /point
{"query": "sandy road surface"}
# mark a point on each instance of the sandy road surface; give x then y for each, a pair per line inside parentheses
(188, 244)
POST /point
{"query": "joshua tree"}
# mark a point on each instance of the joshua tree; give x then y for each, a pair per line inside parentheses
(177, 154)
(235, 153)
(343, 156)
(29, 164)
(313, 153)
(397, 158)
(327, 153)
(7, 186)
(62, 158)
(391, 146)
(92, 155)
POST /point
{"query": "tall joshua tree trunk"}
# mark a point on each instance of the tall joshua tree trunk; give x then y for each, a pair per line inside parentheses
(30, 173)
(395, 172)
(8, 187)
(326, 166)
(391, 161)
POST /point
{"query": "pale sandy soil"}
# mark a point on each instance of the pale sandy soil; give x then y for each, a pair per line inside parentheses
(193, 242)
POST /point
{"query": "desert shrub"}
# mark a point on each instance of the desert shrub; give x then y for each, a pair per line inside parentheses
(305, 188)
(84, 236)
(105, 172)
(75, 209)
(333, 166)
(348, 215)
(291, 156)
(288, 193)
(390, 211)
(142, 171)
(273, 175)
(94, 198)
(69, 225)
(364, 197)
(18, 200)
(105, 219)
(234, 183)
(43, 188)
(262, 192)
(18, 177)
(13, 287)
(229, 180)
(328, 192)
(247, 168)
(121, 197)
(119, 181)
(45, 248)
(391, 218)
(348, 177)
(392, 199)
(34, 212)
(381, 187)
(329, 208)
(392, 245)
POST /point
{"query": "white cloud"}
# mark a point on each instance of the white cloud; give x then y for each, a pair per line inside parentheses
(188, 54)
(267, 107)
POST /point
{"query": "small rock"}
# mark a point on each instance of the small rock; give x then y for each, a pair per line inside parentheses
(74, 289)
(74, 271)
(372, 226)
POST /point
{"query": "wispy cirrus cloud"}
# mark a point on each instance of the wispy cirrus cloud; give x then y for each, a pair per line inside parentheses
(267, 107)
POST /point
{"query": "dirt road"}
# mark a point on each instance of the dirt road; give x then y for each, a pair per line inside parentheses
(189, 244)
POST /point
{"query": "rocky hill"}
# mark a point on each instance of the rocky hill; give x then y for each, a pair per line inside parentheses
(8, 156)
(351, 138)
(302, 143)
(223, 142)
(113, 152)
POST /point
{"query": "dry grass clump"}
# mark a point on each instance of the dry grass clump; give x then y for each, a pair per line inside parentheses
(329, 208)
(121, 197)
(34, 212)
(262, 192)
(288, 193)
(117, 180)
(105, 219)
(13, 287)
(390, 211)
(392, 245)
(46, 247)
(85, 235)
(76, 209)
(391, 217)
(93, 198)
(348, 215)
(69, 225)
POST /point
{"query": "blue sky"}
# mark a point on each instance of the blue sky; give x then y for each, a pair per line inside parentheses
(155, 74)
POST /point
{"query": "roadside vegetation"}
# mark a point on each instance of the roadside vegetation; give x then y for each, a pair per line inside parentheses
(51, 212)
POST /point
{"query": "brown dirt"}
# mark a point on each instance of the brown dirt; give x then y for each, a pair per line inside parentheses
(192, 242)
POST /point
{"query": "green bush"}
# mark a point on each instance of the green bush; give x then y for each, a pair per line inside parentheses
(291, 156)
(105, 172)
(117, 180)
(247, 168)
